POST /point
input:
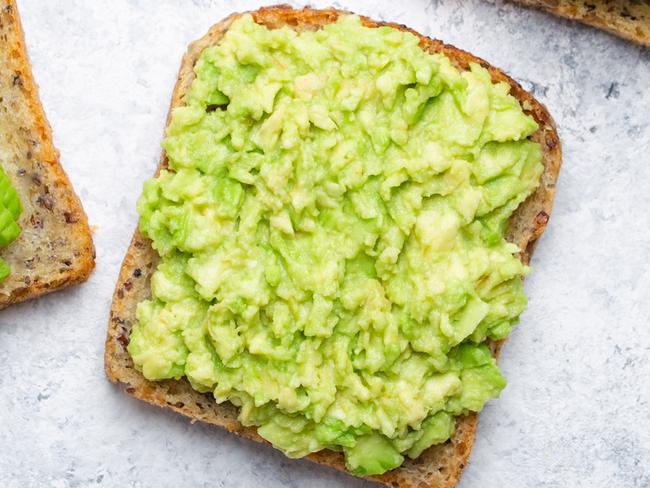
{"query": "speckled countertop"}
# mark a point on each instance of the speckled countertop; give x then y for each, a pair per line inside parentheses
(576, 410)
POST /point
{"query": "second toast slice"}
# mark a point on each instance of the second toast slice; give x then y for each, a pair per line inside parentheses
(55, 247)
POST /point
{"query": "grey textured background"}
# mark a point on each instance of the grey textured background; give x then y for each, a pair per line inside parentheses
(576, 411)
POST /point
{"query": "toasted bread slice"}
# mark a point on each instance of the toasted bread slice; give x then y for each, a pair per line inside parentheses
(625, 18)
(440, 465)
(55, 247)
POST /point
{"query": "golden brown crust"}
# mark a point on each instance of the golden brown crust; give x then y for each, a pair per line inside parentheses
(55, 248)
(628, 19)
(438, 466)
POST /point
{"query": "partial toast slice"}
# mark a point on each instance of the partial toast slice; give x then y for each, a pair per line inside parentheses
(439, 466)
(55, 248)
(628, 19)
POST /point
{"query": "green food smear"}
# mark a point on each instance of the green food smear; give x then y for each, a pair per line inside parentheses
(331, 232)
(10, 210)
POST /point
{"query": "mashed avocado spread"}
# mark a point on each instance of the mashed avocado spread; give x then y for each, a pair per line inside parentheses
(331, 238)
(10, 210)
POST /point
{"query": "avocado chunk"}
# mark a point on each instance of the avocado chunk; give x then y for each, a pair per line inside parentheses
(436, 429)
(372, 454)
(10, 210)
(4, 269)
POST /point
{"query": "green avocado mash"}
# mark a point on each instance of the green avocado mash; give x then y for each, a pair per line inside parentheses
(10, 210)
(331, 233)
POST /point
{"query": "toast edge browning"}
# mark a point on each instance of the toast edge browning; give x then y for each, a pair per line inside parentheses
(438, 466)
(81, 268)
(596, 15)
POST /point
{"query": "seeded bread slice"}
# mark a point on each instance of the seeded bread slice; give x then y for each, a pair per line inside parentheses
(55, 248)
(438, 466)
(629, 19)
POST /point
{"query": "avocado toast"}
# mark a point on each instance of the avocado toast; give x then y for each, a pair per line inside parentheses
(54, 248)
(438, 465)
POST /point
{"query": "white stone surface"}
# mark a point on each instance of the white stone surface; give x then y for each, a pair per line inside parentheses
(576, 411)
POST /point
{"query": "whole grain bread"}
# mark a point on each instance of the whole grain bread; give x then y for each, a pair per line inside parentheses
(629, 19)
(55, 248)
(440, 465)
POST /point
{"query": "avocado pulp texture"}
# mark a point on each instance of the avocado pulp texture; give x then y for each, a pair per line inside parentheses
(10, 210)
(331, 238)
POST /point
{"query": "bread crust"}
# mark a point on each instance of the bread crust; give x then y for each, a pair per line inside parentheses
(438, 466)
(55, 248)
(624, 18)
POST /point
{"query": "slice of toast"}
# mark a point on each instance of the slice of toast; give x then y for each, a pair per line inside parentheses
(628, 19)
(55, 247)
(440, 465)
